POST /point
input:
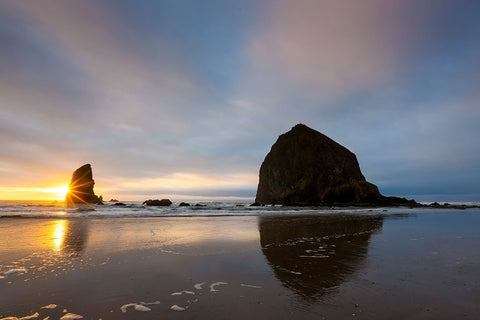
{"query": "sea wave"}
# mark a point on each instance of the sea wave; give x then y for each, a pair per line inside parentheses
(36, 209)
(45, 209)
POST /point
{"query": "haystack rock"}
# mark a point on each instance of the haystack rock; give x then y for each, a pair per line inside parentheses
(305, 167)
(81, 187)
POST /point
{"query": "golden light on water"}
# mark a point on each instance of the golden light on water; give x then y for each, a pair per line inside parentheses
(58, 234)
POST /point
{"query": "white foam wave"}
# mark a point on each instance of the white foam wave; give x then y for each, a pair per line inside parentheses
(50, 306)
(32, 316)
(136, 209)
(198, 286)
(137, 307)
(182, 292)
(71, 316)
(177, 308)
(14, 271)
(215, 284)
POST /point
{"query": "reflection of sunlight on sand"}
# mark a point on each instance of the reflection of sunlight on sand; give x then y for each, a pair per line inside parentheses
(124, 234)
(58, 234)
(19, 237)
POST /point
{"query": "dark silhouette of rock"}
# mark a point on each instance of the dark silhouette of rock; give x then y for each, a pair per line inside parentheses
(184, 204)
(121, 204)
(113, 200)
(305, 167)
(81, 187)
(159, 203)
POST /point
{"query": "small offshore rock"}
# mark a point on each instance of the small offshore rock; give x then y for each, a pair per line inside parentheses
(159, 203)
(119, 204)
(184, 204)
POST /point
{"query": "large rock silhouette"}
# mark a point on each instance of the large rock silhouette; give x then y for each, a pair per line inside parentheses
(305, 167)
(81, 187)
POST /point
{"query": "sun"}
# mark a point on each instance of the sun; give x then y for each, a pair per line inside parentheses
(62, 191)
(58, 193)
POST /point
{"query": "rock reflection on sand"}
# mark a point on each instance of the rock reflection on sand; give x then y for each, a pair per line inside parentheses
(68, 236)
(71, 236)
(312, 255)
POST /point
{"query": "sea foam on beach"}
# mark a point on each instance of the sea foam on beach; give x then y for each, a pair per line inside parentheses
(71, 316)
(50, 306)
(182, 292)
(32, 316)
(215, 284)
(198, 286)
(14, 271)
(137, 307)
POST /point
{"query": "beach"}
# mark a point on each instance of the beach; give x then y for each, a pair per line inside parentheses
(382, 264)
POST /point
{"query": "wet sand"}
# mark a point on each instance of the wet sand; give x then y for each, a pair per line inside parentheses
(423, 264)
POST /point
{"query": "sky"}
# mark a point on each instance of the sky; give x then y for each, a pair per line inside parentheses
(185, 98)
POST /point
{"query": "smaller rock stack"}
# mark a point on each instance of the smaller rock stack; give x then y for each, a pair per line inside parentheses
(81, 187)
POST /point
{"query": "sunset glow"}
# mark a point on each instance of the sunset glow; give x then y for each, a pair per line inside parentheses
(28, 193)
(58, 192)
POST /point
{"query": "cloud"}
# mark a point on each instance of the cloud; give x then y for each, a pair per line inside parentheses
(327, 49)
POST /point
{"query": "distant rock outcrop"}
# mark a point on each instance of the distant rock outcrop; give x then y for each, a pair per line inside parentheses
(159, 203)
(81, 187)
(305, 167)
(120, 204)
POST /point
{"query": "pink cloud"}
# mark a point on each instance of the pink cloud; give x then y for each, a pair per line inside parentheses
(333, 45)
